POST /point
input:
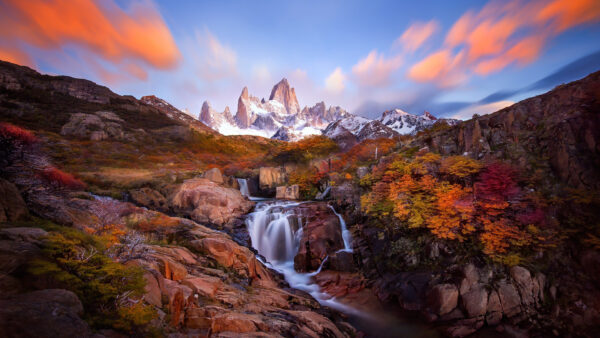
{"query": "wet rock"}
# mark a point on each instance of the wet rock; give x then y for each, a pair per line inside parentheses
(43, 313)
(321, 235)
(442, 298)
(291, 192)
(341, 261)
(12, 206)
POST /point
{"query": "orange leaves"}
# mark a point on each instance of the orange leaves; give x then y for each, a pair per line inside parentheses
(454, 216)
(443, 201)
(460, 166)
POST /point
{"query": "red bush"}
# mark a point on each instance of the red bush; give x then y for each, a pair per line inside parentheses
(497, 182)
(16, 134)
(60, 178)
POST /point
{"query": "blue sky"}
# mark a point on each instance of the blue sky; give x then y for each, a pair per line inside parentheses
(363, 56)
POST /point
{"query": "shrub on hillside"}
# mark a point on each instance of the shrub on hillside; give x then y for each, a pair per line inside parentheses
(13, 140)
(61, 179)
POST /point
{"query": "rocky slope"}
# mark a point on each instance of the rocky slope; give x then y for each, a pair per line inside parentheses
(198, 281)
(557, 132)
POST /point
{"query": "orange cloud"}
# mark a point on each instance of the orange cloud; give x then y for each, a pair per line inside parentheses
(416, 35)
(440, 67)
(15, 55)
(523, 52)
(569, 13)
(503, 33)
(375, 69)
(132, 39)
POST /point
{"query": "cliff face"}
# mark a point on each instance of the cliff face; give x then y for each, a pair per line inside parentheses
(558, 132)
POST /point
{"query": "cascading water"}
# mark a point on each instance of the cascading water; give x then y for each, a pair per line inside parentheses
(277, 241)
(346, 235)
(243, 183)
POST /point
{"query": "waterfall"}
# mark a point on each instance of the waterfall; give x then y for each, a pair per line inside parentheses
(243, 183)
(346, 235)
(277, 240)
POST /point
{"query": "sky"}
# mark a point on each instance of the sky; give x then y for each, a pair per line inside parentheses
(451, 58)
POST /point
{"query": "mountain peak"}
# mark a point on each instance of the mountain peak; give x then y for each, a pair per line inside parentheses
(244, 94)
(287, 96)
(429, 116)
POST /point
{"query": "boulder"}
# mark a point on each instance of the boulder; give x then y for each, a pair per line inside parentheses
(12, 206)
(214, 175)
(43, 313)
(442, 298)
(207, 202)
(509, 299)
(494, 309)
(269, 177)
(475, 301)
(470, 277)
(291, 192)
(524, 283)
(149, 198)
(321, 235)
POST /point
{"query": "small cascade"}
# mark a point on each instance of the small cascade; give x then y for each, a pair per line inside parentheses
(278, 240)
(243, 183)
(346, 235)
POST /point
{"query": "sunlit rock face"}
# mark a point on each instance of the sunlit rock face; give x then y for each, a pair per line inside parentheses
(279, 117)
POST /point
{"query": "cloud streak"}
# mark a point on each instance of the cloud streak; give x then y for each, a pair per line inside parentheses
(130, 40)
(499, 35)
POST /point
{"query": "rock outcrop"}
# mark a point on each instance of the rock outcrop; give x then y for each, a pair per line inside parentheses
(282, 92)
(291, 192)
(269, 178)
(207, 202)
(321, 235)
(99, 126)
(214, 175)
(558, 132)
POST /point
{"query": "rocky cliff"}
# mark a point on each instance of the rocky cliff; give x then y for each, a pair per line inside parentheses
(557, 132)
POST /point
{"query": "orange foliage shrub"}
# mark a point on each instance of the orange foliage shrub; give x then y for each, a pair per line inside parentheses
(61, 179)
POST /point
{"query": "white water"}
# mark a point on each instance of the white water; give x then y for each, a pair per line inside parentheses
(243, 187)
(346, 235)
(277, 241)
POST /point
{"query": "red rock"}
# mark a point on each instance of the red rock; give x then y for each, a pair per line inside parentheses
(204, 285)
(287, 96)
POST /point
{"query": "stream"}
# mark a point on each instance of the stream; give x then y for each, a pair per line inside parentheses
(277, 240)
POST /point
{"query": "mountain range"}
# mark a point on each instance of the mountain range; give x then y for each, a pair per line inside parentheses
(281, 118)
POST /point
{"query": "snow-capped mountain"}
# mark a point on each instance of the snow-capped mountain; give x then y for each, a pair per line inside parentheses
(280, 117)
(353, 129)
(405, 123)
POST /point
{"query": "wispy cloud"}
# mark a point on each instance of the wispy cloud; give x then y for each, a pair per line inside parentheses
(416, 35)
(130, 40)
(375, 69)
(336, 81)
(502, 33)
